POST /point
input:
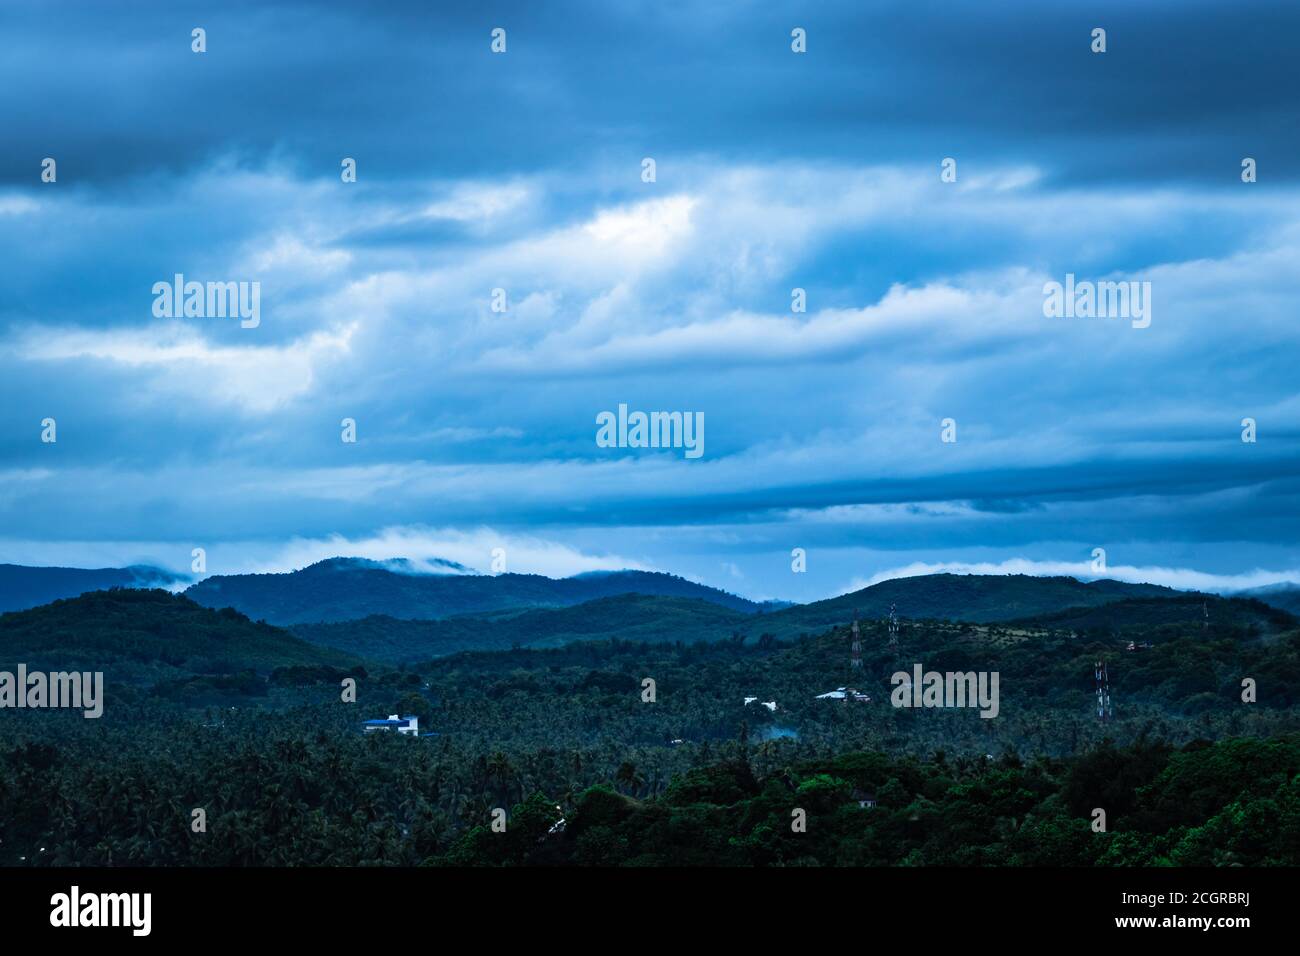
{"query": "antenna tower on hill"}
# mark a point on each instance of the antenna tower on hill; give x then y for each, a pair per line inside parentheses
(1104, 709)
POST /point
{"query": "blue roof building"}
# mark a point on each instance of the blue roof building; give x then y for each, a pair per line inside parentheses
(403, 725)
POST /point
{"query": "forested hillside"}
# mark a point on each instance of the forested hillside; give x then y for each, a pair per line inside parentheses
(1232, 803)
(980, 598)
(656, 617)
(136, 635)
(1286, 597)
(1172, 616)
(665, 751)
(633, 617)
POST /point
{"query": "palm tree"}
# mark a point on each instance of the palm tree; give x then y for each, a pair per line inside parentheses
(501, 773)
(629, 778)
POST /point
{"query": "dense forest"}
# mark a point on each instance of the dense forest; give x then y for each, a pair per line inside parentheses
(207, 710)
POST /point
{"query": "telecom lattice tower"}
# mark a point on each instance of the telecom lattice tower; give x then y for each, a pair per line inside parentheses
(1104, 710)
(855, 648)
(1205, 607)
(893, 630)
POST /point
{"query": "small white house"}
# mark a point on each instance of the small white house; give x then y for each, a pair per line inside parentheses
(769, 704)
(403, 725)
(844, 693)
(750, 700)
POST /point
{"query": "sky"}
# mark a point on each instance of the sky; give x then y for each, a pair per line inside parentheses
(523, 171)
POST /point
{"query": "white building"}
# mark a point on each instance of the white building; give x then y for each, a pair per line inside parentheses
(844, 693)
(403, 725)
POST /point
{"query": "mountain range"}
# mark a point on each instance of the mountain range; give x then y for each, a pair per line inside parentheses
(396, 612)
(344, 589)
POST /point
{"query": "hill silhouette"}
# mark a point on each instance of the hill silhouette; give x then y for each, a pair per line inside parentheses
(141, 635)
(631, 617)
(977, 598)
(1283, 596)
(1154, 617)
(22, 587)
(1059, 603)
(342, 589)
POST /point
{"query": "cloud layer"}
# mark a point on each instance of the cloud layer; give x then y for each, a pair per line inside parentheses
(775, 171)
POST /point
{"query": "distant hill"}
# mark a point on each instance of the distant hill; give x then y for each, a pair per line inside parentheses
(1158, 618)
(977, 598)
(652, 618)
(142, 635)
(342, 589)
(553, 694)
(23, 587)
(1284, 596)
(396, 612)
(628, 617)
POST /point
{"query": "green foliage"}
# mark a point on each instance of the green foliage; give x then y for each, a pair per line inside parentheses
(138, 636)
(1187, 773)
(638, 617)
(986, 816)
(1153, 619)
(982, 599)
